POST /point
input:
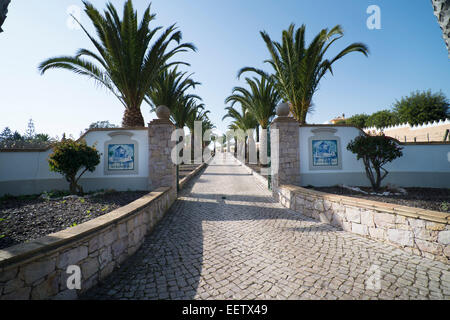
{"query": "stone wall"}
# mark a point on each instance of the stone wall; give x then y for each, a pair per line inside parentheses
(38, 269)
(422, 232)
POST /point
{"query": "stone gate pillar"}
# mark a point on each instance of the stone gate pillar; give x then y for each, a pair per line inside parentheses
(162, 170)
(285, 153)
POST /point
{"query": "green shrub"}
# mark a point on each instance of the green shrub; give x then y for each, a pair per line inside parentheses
(375, 151)
(69, 157)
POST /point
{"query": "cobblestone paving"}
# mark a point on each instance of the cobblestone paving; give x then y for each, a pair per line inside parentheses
(225, 238)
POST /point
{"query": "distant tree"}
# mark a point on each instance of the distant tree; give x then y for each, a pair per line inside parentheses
(69, 157)
(375, 151)
(381, 119)
(358, 120)
(101, 124)
(31, 131)
(17, 136)
(6, 134)
(10, 140)
(421, 107)
(42, 137)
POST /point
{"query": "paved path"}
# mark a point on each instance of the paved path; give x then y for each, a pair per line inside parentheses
(225, 238)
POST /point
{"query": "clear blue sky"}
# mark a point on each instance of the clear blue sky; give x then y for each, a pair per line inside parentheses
(407, 54)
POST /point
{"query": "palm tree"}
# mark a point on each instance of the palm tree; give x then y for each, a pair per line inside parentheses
(260, 100)
(170, 88)
(126, 63)
(182, 111)
(242, 122)
(298, 69)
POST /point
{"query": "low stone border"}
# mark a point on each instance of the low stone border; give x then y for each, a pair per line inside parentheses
(38, 269)
(191, 175)
(418, 231)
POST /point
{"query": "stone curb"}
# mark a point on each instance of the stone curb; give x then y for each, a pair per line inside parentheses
(37, 269)
(191, 175)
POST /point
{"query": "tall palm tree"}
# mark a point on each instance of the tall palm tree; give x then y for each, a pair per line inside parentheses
(260, 100)
(298, 69)
(126, 63)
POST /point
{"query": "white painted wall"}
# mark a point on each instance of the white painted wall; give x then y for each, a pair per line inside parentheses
(100, 137)
(420, 166)
(29, 173)
(349, 162)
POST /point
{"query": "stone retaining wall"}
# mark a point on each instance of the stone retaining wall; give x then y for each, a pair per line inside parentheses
(38, 269)
(422, 232)
(191, 175)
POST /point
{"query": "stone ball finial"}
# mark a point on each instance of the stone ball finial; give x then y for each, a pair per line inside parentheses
(283, 110)
(162, 112)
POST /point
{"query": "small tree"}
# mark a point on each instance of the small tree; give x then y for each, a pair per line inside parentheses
(69, 157)
(375, 151)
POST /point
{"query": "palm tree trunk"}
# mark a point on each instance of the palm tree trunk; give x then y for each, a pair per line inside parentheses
(192, 146)
(257, 140)
(263, 149)
(132, 117)
(245, 150)
(304, 107)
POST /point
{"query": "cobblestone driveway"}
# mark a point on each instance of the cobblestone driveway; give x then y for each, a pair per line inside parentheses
(225, 238)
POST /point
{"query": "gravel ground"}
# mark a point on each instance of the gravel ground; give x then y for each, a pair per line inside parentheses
(425, 198)
(29, 218)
